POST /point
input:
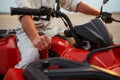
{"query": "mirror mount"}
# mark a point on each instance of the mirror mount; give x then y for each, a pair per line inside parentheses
(104, 2)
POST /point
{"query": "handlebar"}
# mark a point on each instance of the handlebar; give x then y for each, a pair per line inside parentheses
(43, 11)
(46, 11)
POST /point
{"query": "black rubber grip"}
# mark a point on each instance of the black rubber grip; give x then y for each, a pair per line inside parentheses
(28, 11)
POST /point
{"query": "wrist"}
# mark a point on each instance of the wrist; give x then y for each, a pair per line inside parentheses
(34, 37)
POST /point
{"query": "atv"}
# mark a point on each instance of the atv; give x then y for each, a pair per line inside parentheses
(83, 52)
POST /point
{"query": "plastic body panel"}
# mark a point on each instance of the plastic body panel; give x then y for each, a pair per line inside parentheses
(109, 59)
(14, 74)
(9, 53)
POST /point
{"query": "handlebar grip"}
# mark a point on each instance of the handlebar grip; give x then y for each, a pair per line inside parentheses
(28, 11)
(24, 11)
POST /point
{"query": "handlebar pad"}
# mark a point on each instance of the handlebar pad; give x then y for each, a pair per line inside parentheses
(28, 11)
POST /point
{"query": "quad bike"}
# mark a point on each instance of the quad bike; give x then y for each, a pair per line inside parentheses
(83, 52)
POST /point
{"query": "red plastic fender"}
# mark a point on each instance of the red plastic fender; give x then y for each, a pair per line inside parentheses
(14, 74)
(9, 53)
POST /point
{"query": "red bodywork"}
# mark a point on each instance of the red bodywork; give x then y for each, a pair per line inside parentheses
(109, 59)
(9, 53)
(9, 56)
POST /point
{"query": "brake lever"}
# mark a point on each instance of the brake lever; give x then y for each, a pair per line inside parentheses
(116, 20)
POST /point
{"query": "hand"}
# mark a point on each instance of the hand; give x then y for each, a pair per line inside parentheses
(42, 42)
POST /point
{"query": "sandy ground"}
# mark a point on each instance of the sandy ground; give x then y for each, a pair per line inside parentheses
(7, 22)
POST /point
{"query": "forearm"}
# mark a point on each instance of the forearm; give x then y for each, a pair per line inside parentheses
(29, 27)
(86, 9)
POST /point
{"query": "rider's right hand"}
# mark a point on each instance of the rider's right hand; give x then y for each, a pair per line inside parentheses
(42, 42)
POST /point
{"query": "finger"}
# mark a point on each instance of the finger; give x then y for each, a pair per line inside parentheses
(49, 42)
(40, 44)
(45, 42)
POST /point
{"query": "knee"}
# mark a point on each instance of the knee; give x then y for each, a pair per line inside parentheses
(31, 55)
(28, 57)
